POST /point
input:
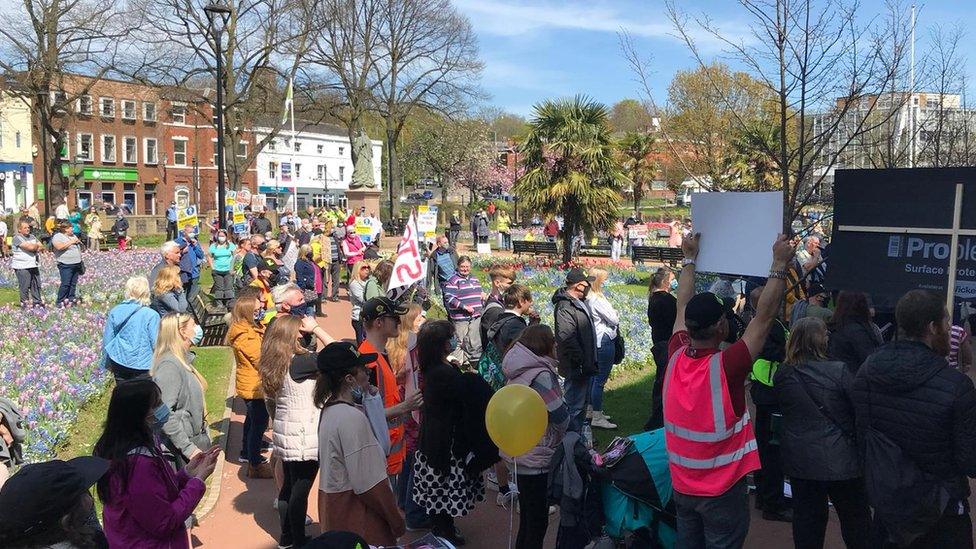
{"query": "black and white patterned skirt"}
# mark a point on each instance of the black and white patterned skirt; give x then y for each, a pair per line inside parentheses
(454, 493)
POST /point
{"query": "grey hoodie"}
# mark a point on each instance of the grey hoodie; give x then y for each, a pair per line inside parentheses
(524, 367)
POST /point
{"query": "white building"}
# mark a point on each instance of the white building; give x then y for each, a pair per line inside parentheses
(16, 154)
(313, 166)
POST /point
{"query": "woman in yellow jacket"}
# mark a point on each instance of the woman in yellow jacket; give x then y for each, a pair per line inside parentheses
(504, 230)
(244, 336)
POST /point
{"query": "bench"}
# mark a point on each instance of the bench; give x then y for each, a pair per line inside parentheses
(656, 254)
(595, 250)
(534, 247)
(210, 318)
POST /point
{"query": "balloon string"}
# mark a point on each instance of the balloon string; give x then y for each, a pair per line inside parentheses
(511, 511)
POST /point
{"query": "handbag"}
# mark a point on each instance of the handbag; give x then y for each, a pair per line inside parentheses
(619, 348)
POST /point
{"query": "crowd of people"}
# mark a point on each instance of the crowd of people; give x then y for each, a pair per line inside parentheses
(798, 385)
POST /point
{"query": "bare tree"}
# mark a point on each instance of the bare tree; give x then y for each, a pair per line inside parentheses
(262, 46)
(44, 46)
(428, 58)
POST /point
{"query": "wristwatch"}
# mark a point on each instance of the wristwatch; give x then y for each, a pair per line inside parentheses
(687, 261)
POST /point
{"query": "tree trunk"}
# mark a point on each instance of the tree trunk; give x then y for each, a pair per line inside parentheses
(390, 172)
(569, 230)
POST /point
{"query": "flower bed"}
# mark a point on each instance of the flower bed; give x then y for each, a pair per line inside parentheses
(50, 358)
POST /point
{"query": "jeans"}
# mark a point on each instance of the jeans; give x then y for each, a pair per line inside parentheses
(719, 522)
(576, 391)
(293, 500)
(171, 230)
(334, 279)
(357, 328)
(192, 288)
(660, 353)
(452, 237)
(415, 515)
(533, 510)
(810, 512)
(604, 361)
(223, 287)
(69, 282)
(255, 423)
(469, 340)
(29, 281)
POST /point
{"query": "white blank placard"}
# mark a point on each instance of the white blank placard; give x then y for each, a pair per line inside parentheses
(738, 230)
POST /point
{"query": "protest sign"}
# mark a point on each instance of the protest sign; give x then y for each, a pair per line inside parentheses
(410, 266)
(905, 229)
(187, 217)
(364, 228)
(637, 232)
(427, 221)
(238, 214)
(244, 196)
(259, 202)
(484, 248)
(660, 230)
(286, 172)
(738, 230)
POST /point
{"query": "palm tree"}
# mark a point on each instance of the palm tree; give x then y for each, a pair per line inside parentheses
(570, 167)
(635, 148)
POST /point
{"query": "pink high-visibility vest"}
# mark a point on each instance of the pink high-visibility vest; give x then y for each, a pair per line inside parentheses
(709, 447)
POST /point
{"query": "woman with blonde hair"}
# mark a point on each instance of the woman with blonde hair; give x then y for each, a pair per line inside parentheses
(379, 278)
(245, 336)
(817, 439)
(129, 337)
(185, 431)
(357, 296)
(605, 324)
(167, 294)
(288, 375)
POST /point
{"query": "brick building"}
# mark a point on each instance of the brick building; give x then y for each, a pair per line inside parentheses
(138, 145)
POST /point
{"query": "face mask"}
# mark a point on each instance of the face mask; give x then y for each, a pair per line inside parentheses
(452, 345)
(357, 394)
(259, 314)
(160, 416)
(197, 335)
(263, 246)
(674, 284)
(221, 239)
(586, 291)
(299, 310)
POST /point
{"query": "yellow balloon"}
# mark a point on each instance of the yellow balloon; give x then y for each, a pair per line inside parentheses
(516, 418)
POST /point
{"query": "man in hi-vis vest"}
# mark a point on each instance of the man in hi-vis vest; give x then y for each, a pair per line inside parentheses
(710, 440)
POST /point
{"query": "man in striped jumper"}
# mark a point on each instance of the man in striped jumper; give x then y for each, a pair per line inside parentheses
(463, 297)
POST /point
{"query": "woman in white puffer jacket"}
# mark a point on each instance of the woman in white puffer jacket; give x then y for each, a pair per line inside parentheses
(288, 375)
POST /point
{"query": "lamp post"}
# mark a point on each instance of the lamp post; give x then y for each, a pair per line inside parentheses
(217, 16)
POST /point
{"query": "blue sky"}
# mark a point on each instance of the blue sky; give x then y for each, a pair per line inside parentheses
(537, 49)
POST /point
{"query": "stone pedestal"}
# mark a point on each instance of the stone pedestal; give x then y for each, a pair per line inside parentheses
(368, 198)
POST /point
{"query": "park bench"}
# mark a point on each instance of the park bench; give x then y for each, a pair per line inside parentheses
(657, 254)
(595, 250)
(534, 247)
(210, 318)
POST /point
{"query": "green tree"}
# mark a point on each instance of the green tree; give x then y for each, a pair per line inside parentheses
(630, 116)
(570, 167)
(639, 169)
(508, 126)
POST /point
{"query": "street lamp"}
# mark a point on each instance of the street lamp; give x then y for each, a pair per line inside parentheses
(218, 16)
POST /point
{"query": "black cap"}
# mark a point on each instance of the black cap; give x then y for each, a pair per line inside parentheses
(577, 275)
(268, 265)
(343, 354)
(816, 289)
(379, 307)
(41, 493)
(704, 310)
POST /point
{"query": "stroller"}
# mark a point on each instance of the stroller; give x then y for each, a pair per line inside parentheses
(636, 492)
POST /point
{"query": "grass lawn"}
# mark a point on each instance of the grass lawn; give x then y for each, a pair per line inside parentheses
(214, 363)
(628, 400)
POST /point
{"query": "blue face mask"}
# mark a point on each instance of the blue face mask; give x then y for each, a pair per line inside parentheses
(674, 284)
(259, 314)
(160, 416)
(299, 310)
(197, 335)
(452, 345)
(357, 394)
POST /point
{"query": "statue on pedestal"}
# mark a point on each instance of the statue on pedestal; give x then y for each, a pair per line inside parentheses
(362, 171)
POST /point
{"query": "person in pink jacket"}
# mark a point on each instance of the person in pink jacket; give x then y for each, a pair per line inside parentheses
(146, 503)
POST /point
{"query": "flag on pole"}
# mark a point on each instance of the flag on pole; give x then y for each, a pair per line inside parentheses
(289, 102)
(410, 266)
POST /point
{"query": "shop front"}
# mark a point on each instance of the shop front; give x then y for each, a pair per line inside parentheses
(16, 189)
(97, 186)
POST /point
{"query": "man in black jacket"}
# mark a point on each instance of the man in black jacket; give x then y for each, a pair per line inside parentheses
(575, 344)
(913, 410)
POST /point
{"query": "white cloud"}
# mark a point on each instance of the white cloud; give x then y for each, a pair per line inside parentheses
(525, 77)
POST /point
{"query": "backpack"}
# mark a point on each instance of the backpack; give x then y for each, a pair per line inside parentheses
(906, 500)
(490, 363)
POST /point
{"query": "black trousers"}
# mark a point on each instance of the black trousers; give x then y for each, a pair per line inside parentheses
(810, 512)
(769, 479)
(123, 373)
(293, 500)
(660, 353)
(533, 511)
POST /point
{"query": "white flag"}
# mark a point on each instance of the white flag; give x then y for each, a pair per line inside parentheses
(410, 266)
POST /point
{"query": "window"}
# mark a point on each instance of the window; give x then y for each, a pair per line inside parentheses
(179, 152)
(128, 109)
(178, 113)
(85, 151)
(84, 199)
(272, 145)
(320, 172)
(931, 103)
(148, 111)
(298, 171)
(84, 105)
(342, 173)
(213, 157)
(341, 150)
(106, 107)
(58, 101)
(272, 170)
(129, 199)
(319, 148)
(150, 153)
(242, 149)
(108, 148)
(298, 146)
(108, 197)
(182, 197)
(16, 139)
(129, 154)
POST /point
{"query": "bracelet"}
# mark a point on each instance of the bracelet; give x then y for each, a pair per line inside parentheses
(687, 261)
(781, 275)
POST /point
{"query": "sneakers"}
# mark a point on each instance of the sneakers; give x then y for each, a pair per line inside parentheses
(507, 499)
(454, 537)
(262, 470)
(601, 421)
